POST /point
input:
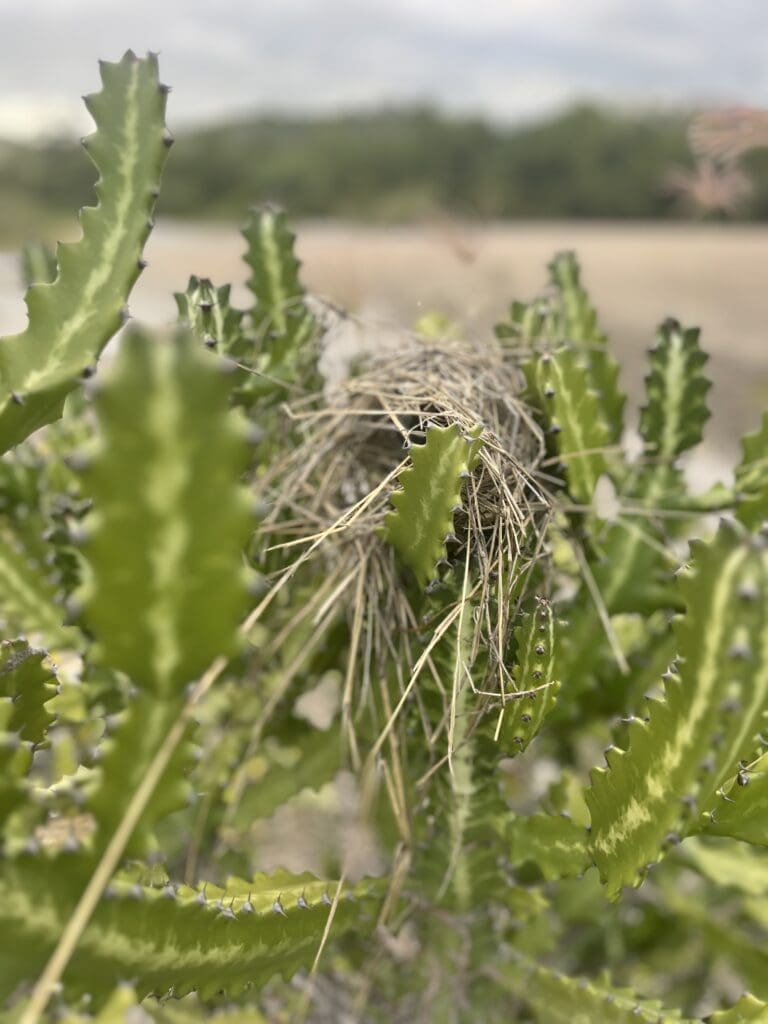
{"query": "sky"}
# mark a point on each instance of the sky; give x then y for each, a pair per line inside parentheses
(508, 60)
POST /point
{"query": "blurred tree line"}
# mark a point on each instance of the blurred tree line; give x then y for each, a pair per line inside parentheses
(396, 165)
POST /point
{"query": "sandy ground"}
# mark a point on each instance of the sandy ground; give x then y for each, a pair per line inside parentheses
(712, 276)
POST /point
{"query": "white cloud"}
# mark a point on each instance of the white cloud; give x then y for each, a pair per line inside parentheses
(26, 117)
(507, 58)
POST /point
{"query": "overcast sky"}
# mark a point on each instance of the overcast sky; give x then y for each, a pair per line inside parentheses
(507, 59)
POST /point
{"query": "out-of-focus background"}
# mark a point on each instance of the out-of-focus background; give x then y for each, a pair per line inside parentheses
(433, 155)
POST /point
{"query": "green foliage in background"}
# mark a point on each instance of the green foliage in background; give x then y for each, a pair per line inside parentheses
(400, 164)
(388, 631)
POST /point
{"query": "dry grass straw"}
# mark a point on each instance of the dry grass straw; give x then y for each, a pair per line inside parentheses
(329, 495)
(327, 498)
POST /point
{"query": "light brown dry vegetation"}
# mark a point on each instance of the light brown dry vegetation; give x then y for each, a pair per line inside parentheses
(332, 489)
(710, 275)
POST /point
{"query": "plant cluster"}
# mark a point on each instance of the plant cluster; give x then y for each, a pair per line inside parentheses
(409, 165)
(450, 553)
